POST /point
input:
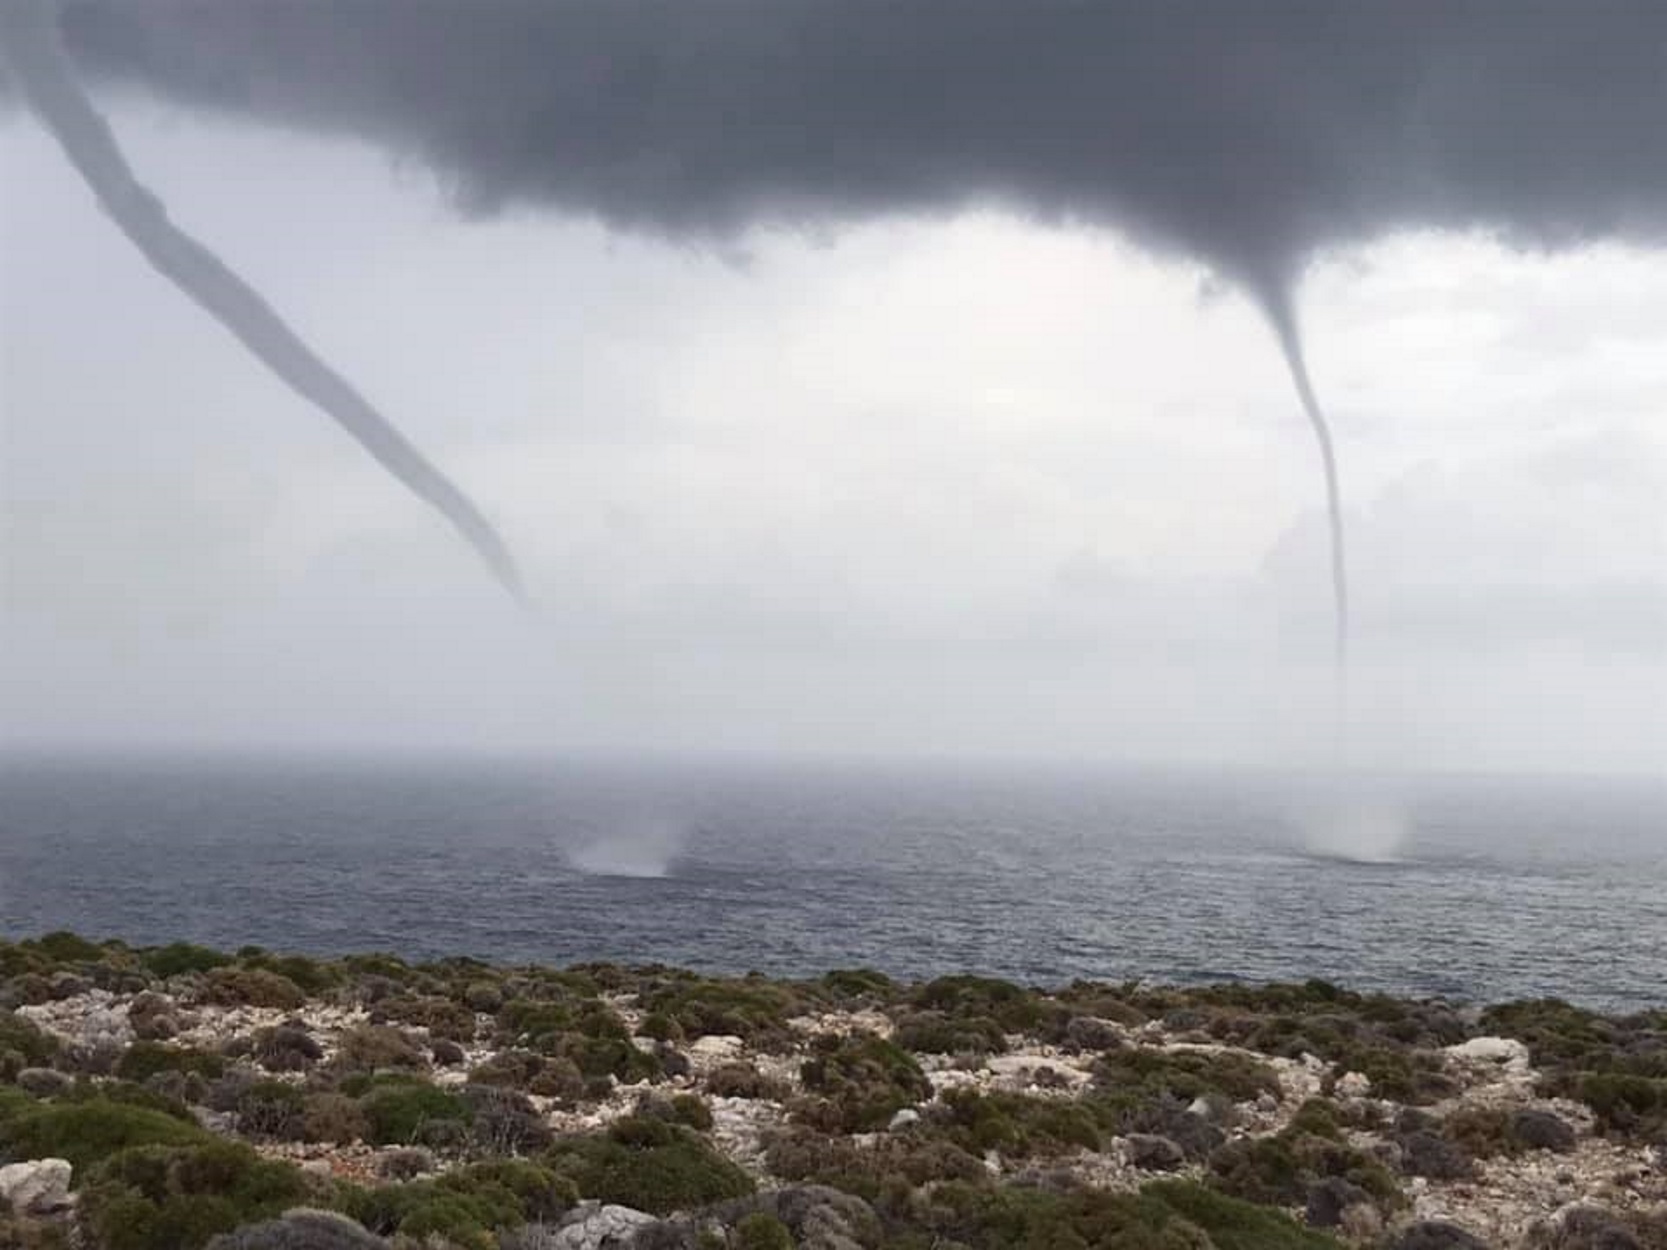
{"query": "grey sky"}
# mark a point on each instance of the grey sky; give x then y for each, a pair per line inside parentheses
(935, 483)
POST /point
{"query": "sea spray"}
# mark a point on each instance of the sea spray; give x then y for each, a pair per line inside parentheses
(639, 848)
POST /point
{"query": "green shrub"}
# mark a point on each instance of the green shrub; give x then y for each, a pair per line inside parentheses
(64, 947)
(286, 1048)
(999, 1217)
(397, 1110)
(527, 1022)
(1018, 1125)
(661, 1027)
(252, 987)
(650, 1165)
(754, 1010)
(312, 976)
(178, 958)
(1317, 1118)
(455, 1219)
(143, 1060)
(1015, 1009)
(762, 1231)
(865, 1170)
(539, 1194)
(483, 996)
(741, 1079)
(1557, 1034)
(862, 984)
(130, 1095)
(1278, 1170)
(177, 1198)
(934, 1033)
(1134, 1083)
(18, 1232)
(440, 1016)
(1624, 1103)
(691, 1110)
(1235, 1225)
(858, 1083)
(333, 1117)
(89, 1131)
(375, 1048)
(272, 1109)
(14, 1101)
(32, 1047)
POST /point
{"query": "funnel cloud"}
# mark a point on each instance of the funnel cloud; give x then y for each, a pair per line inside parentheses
(1247, 137)
(37, 68)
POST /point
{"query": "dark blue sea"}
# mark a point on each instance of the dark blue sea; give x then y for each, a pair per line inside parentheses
(1472, 888)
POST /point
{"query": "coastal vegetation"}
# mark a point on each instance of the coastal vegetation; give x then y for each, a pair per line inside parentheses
(178, 1097)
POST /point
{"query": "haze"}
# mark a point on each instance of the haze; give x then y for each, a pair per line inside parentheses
(964, 484)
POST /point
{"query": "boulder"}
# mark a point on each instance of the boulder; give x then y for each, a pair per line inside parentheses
(36, 1187)
(593, 1227)
(1353, 1085)
(1503, 1052)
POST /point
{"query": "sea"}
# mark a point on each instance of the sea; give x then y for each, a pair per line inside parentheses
(1471, 888)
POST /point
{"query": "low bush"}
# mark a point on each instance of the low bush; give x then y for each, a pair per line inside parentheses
(1625, 1103)
(143, 1060)
(857, 1082)
(25, 1042)
(252, 987)
(755, 1010)
(333, 1117)
(650, 1165)
(442, 1017)
(311, 975)
(178, 1198)
(865, 1170)
(761, 1231)
(1020, 1126)
(376, 1048)
(180, 958)
(1279, 1170)
(64, 947)
(397, 1110)
(1133, 1084)
(743, 1080)
(273, 1110)
(935, 1033)
(286, 1048)
(86, 1132)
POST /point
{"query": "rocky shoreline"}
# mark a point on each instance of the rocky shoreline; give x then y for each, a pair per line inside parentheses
(176, 1097)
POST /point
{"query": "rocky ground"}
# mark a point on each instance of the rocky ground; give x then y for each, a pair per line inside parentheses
(179, 1097)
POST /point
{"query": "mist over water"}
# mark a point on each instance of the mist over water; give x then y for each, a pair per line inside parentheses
(1359, 832)
(1502, 888)
(646, 848)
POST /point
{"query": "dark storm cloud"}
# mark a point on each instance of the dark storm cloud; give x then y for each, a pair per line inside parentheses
(1246, 135)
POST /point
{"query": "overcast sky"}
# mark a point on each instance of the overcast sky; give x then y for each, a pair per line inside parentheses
(953, 484)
